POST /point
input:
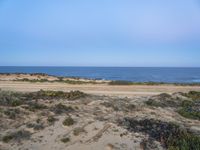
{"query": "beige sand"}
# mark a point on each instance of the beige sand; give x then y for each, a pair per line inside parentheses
(98, 89)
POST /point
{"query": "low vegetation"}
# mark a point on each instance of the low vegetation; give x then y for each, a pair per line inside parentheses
(51, 119)
(77, 131)
(56, 95)
(14, 99)
(68, 121)
(60, 80)
(34, 106)
(194, 95)
(122, 82)
(12, 113)
(16, 136)
(119, 105)
(163, 100)
(60, 108)
(190, 109)
(36, 126)
(65, 140)
(170, 135)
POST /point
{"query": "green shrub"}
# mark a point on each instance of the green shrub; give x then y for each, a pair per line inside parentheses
(78, 131)
(171, 136)
(68, 121)
(33, 106)
(12, 113)
(12, 99)
(194, 95)
(51, 119)
(60, 108)
(72, 95)
(36, 126)
(17, 136)
(190, 109)
(120, 83)
(65, 140)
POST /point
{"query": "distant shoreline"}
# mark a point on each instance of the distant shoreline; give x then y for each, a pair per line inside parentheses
(43, 77)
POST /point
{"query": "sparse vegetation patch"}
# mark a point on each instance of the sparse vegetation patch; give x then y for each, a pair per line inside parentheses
(164, 100)
(61, 108)
(190, 109)
(65, 140)
(14, 99)
(12, 113)
(170, 135)
(16, 136)
(68, 121)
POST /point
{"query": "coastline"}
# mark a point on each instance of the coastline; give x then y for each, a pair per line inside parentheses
(35, 82)
(42, 77)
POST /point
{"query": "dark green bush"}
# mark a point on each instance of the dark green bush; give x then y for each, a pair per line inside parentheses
(190, 109)
(36, 126)
(51, 119)
(170, 135)
(17, 136)
(65, 140)
(120, 83)
(60, 108)
(194, 95)
(13, 99)
(68, 121)
(72, 95)
(12, 113)
(33, 106)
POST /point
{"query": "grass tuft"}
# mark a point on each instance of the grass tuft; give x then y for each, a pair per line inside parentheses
(17, 136)
(68, 121)
(65, 140)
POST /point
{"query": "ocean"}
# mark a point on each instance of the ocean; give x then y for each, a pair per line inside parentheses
(135, 74)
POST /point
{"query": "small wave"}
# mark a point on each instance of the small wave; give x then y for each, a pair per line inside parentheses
(196, 80)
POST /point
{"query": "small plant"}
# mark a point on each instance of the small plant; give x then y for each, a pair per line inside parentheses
(12, 113)
(7, 138)
(78, 131)
(60, 108)
(51, 119)
(120, 83)
(35, 126)
(33, 106)
(65, 140)
(68, 121)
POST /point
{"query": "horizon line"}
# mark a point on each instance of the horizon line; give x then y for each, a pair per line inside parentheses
(110, 66)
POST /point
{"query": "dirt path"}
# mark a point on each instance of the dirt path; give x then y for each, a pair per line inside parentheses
(98, 89)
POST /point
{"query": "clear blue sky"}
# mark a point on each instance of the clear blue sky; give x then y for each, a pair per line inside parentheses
(100, 33)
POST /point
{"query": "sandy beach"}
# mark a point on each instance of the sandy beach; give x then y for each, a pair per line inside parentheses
(13, 82)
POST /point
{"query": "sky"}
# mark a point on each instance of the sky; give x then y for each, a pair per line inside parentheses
(133, 33)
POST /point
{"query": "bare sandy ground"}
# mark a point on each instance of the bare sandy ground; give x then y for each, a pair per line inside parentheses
(97, 89)
(12, 82)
